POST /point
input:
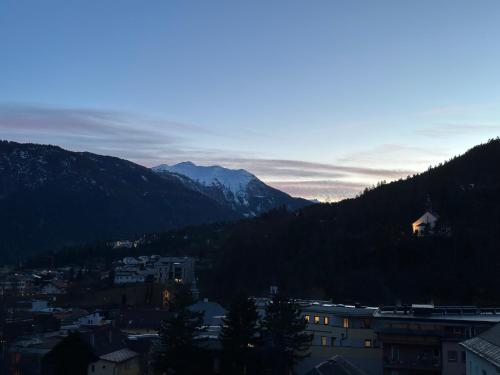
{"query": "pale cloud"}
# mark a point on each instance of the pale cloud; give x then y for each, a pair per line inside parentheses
(151, 141)
(446, 130)
(408, 158)
(323, 190)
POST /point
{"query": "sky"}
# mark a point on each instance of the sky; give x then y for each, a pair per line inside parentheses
(318, 98)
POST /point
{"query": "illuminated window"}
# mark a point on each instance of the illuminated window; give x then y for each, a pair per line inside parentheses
(307, 318)
(345, 322)
(323, 341)
(316, 319)
(326, 320)
(368, 343)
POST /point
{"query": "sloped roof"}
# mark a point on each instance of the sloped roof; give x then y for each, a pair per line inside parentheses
(118, 356)
(336, 365)
(425, 216)
(486, 345)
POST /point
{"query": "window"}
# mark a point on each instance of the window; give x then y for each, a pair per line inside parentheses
(367, 323)
(307, 318)
(394, 352)
(345, 322)
(463, 357)
(332, 341)
(368, 343)
(316, 319)
(323, 341)
(326, 320)
(452, 356)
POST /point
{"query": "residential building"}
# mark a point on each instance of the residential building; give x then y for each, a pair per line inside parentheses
(119, 362)
(483, 353)
(175, 269)
(336, 366)
(132, 275)
(425, 224)
(424, 339)
(339, 330)
(158, 269)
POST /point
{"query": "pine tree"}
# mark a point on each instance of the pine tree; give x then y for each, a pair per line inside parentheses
(71, 356)
(284, 330)
(239, 335)
(179, 349)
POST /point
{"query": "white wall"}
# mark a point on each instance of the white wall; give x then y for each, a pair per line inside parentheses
(478, 366)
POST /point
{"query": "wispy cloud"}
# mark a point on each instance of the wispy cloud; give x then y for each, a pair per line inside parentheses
(123, 134)
(150, 141)
(446, 130)
(325, 190)
(408, 157)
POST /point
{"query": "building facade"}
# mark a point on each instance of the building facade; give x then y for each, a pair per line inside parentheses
(339, 330)
(424, 339)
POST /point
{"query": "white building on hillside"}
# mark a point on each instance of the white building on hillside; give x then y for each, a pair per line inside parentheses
(425, 223)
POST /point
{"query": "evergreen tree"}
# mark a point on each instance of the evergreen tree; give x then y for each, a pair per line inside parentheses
(71, 356)
(179, 350)
(284, 330)
(239, 335)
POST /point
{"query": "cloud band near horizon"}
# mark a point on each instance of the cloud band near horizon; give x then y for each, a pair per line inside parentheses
(150, 141)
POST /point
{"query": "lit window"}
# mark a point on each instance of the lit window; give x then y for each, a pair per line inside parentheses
(326, 320)
(323, 341)
(316, 319)
(368, 343)
(307, 318)
(345, 322)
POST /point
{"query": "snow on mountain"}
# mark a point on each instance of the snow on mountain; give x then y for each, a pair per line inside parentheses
(234, 181)
(239, 189)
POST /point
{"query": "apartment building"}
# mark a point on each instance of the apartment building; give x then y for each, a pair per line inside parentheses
(424, 339)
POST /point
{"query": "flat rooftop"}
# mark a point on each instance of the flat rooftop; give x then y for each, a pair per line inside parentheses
(430, 312)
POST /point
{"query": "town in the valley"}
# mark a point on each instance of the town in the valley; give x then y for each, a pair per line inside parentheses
(118, 310)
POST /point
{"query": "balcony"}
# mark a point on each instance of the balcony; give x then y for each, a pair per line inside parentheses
(413, 363)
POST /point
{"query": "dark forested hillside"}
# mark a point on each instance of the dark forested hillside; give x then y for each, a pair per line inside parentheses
(50, 197)
(363, 249)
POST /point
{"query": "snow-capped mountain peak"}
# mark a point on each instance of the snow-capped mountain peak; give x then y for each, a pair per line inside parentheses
(235, 188)
(235, 181)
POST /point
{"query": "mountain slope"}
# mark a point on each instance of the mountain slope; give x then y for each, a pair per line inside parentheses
(363, 249)
(237, 189)
(51, 197)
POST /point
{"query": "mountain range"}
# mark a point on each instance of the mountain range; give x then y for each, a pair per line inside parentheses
(51, 197)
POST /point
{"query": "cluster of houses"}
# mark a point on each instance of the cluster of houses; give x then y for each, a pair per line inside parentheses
(121, 339)
(36, 282)
(347, 339)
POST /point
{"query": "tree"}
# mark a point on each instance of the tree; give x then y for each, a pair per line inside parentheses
(179, 348)
(239, 335)
(284, 330)
(71, 356)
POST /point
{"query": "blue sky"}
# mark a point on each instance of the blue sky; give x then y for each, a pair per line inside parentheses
(319, 98)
